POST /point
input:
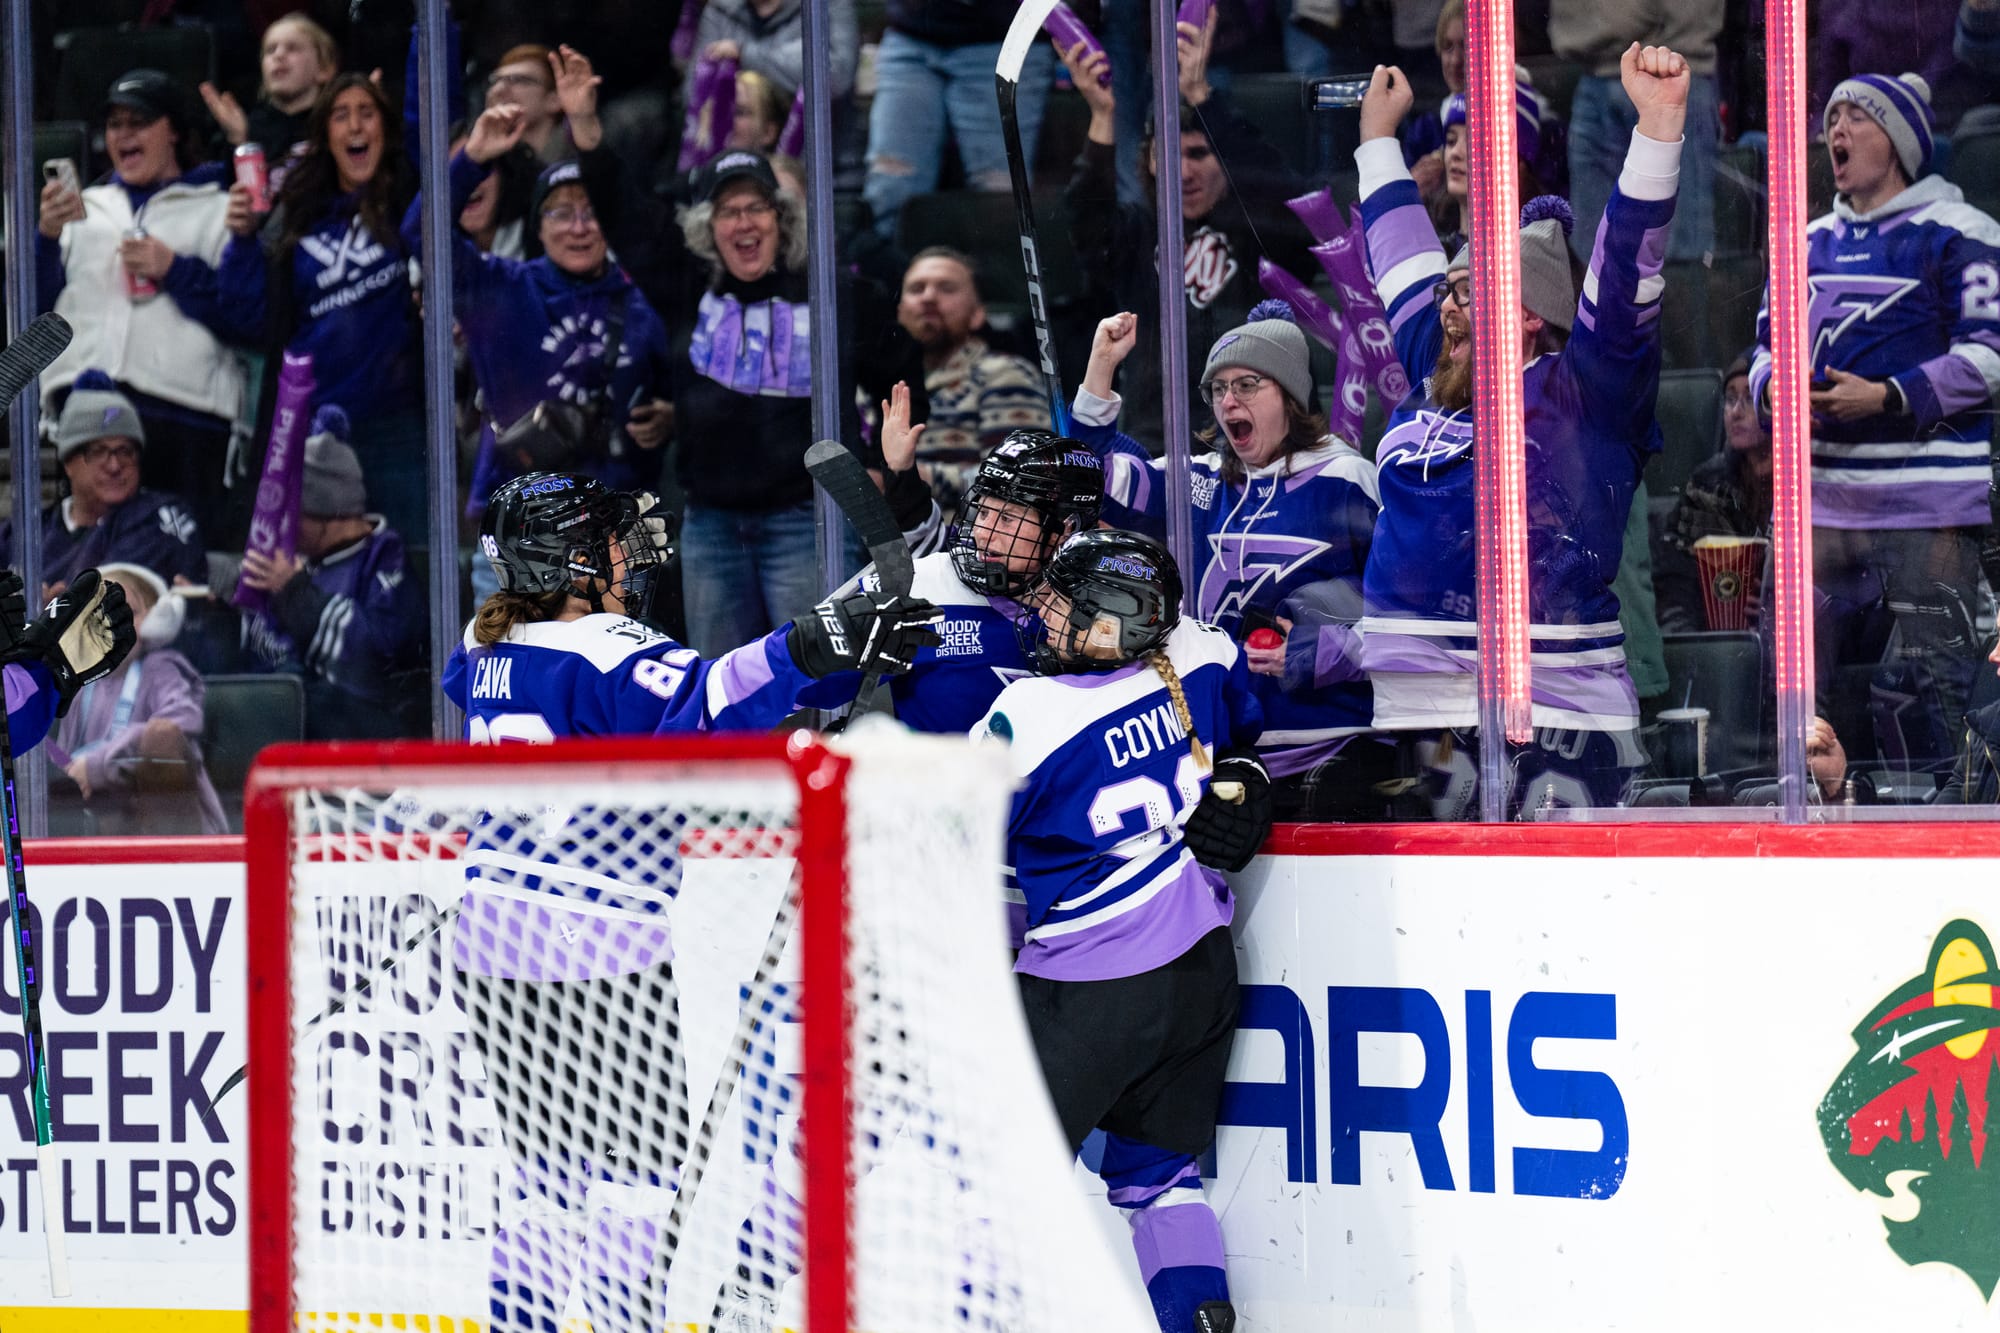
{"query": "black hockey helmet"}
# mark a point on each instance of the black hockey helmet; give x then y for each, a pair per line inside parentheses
(1058, 478)
(1107, 598)
(554, 532)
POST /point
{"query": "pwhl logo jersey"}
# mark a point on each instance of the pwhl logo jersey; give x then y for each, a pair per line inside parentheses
(1916, 1103)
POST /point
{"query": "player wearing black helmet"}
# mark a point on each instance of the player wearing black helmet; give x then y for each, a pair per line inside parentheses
(1032, 491)
(552, 932)
(1127, 971)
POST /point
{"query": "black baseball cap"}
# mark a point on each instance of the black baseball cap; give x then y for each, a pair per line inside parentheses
(735, 165)
(151, 93)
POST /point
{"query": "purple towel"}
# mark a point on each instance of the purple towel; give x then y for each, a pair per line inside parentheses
(711, 111)
(274, 524)
(682, 45)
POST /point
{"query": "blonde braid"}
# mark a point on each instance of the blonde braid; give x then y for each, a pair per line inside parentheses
(1162, 664)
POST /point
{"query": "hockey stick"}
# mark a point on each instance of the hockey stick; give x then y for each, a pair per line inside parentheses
(445, 918)
(1021, 35)
(26, 357)
(836, 468)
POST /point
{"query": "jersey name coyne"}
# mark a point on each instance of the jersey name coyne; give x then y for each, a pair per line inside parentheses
(493, 678)
(1135, 738)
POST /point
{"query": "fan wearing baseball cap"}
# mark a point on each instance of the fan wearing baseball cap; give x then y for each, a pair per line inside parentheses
(129, 262)
(742, 384)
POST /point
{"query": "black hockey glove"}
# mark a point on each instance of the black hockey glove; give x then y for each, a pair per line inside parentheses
(84, 633)
(1234, 815)
(13, 614)
(864, 631)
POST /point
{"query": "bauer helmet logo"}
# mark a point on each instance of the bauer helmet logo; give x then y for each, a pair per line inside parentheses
(1917, 1098)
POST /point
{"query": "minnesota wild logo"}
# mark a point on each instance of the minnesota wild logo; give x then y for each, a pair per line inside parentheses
(1914, 1108)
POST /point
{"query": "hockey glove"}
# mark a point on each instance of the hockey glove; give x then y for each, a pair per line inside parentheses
(84, 633)
(13, 615)
(864, 631)
(1234, 815)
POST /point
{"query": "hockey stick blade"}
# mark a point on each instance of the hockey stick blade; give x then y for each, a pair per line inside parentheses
(1020, 38)
(31, 354)
(835, 467)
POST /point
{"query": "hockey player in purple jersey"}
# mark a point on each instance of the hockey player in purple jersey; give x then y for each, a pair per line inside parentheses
(1592, 374)
(1903, 329)
(1034, 490)
(1283, 514)
(1127, 971)
(82, 636)
(563, 925)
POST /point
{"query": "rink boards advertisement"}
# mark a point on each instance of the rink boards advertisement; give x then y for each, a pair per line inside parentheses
(1482, 1081)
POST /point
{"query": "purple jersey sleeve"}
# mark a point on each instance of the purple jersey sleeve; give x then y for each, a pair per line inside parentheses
(31, 705)
(1615, 345)
(1403, 253)
(1135, 491)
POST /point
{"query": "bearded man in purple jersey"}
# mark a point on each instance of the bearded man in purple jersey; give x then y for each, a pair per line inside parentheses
(1588, 388)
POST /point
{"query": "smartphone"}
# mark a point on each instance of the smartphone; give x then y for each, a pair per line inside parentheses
(64, 170)
(1341, 92)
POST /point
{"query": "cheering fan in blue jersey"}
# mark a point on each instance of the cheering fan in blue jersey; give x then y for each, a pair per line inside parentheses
(1283, 515)
(1126, 969)
(1592, 374)
(1903, 335)
(563, 927)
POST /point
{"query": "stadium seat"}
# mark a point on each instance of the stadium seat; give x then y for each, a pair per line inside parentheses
(242, 715)
(984, 225)
(63, 138)
(89, 60)
(1722, 672)
(1276, 105)
(1690, 416)
(1975, 167)
(1740, 209)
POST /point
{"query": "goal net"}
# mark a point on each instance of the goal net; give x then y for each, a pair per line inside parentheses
(621, 1036)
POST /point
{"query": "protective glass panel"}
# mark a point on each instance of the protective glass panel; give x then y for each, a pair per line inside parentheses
(1903, 328)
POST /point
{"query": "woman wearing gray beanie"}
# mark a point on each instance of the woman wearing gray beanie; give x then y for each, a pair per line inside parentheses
(1283, 514)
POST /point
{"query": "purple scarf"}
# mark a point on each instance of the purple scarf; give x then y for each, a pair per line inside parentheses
(764, 348)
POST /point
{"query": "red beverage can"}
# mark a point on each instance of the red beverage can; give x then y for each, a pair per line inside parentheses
(254, 176)
(138, 286)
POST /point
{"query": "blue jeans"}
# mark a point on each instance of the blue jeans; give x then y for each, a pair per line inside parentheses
(746, 572)
(922, 90)
(1601, 121)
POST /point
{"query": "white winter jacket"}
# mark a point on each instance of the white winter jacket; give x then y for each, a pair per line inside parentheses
(150, 346)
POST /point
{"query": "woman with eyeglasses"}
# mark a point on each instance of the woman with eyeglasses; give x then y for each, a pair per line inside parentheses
(1283, 517)
(1590, 377)
(567, 328)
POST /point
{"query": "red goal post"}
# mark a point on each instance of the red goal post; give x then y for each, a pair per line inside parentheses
(924, 1180)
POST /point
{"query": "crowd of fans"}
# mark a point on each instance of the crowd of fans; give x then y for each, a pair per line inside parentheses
(632, 303)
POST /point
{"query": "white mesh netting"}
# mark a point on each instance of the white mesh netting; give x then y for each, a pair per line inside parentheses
(523, 1114)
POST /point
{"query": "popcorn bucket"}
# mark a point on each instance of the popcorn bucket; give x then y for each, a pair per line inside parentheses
(1732, 572)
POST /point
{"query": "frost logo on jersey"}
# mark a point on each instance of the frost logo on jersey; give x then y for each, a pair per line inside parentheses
(1836, 301)
(1427, 439)
(1243, 564)
(1207, 265)
(577, 344)
(355, 251)
(176, 524)
(1912, 1116)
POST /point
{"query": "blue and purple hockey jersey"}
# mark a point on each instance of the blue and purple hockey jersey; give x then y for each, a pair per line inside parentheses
(947, 688)
(1909, 291)
(1106, 783)
(31, 704)
(1589, 431)
(1290, 540)
(568, 892)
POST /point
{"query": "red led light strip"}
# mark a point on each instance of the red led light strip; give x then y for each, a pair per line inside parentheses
(1790, 597)
(1497, 408)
